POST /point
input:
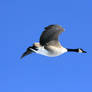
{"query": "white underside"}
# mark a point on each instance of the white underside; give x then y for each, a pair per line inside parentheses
(56, 51)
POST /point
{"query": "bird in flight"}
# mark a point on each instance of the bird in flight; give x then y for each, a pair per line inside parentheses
(49, 44)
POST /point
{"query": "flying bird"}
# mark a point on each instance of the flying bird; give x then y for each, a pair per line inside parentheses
(49, 44)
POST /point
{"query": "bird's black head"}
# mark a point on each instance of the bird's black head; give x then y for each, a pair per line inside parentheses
(81, 50)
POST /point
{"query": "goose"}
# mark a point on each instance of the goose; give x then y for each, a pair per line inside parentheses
(49, 44)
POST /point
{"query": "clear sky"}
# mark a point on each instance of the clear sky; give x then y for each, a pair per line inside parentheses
(21, 24)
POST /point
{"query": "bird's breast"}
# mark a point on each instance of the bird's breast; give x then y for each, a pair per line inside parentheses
(51, 51)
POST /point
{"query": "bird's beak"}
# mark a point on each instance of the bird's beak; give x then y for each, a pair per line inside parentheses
(84, 51)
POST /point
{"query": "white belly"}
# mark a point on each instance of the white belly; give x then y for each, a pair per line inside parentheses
(56, 51)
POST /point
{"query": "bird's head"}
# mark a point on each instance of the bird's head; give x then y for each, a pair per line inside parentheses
(81, 51)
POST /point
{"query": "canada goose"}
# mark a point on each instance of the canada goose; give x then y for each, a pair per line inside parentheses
(49, 44)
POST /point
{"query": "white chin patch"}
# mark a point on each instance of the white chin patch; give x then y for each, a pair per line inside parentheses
(80, 51)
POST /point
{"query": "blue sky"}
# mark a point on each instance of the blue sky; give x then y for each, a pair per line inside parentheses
(22, 22)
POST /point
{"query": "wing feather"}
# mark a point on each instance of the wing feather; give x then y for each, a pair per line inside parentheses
(50, 33)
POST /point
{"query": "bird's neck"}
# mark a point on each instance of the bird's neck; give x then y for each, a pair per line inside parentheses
(72, 50)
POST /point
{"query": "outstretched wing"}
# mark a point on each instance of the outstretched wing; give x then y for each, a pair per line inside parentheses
(27, 52)
(50, 33)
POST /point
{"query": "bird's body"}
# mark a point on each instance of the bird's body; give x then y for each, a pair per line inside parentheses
(49, 44)
(51, 51)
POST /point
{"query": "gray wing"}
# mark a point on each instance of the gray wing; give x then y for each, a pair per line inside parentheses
(50, 33)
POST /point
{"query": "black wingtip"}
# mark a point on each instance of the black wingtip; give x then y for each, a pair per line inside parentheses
(23, 56)
(26, 53)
